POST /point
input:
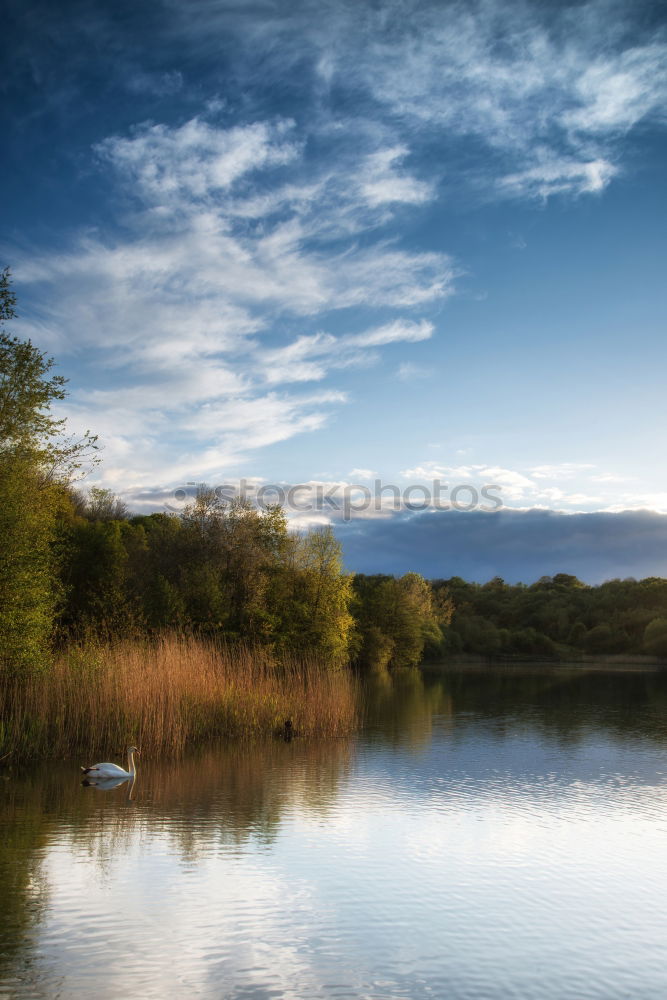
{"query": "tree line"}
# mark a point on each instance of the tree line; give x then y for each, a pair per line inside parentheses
(78, 565)
(556, 616)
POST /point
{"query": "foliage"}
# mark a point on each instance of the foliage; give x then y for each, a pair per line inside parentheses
(655, 637)
(103, 505)
(29, 586)
(556, 617)
(396, 619)
(215, 569)
(34, 459)
(317, 597)
(26, 391)
(77, 566)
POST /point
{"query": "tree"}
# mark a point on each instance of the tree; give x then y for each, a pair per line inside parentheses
(600, 639)
(94, 571)
(318, 615)
(104, 505)
(36, 461)
(26, 391)
(655, 637)
(29, 589)
(397, 618)
(577, 634)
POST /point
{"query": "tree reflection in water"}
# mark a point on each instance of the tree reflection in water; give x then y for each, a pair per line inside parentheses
(220, 798)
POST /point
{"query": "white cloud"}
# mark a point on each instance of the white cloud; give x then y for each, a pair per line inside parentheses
(409, 372)
(547, 92)
(381, 182)
(561, 470)
(610, 477)
(312, 357)
(648, 500)
(177, 306)
(549, 96)
(391, 333)
(554, 174)
(618, 90)
(541, 486)
(196, 160)
(236, 234)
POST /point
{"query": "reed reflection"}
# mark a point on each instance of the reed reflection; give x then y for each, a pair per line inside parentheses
(225, 798)
(211, 801)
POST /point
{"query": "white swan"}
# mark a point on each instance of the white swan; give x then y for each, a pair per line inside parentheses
(113, 770)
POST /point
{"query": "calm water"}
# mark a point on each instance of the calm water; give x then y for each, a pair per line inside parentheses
(489, 834)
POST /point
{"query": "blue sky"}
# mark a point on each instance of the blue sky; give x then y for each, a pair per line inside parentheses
(329, 242)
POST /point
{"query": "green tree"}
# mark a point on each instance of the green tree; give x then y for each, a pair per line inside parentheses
(397, 618)
(600, 639)
(36, 461)
(317, 618)
(577, 634)
(104, 505)
(26, 390)
(655, 637)
(94, 571)
(163, 604)
(29, 587)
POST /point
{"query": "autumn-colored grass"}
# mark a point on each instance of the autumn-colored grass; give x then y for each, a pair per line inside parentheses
(166, 694)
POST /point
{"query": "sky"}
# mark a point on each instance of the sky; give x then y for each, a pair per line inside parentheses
(345, 243)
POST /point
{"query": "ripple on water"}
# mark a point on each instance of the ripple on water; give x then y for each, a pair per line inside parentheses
(452, 858)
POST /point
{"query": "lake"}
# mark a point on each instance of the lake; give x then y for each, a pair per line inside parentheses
(490, 833)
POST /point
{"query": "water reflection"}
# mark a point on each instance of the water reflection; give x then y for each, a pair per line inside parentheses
(453, 848)
(106, 784)
(563, 702)
(400, 706)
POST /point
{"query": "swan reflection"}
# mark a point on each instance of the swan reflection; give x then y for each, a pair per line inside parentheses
(106, 784)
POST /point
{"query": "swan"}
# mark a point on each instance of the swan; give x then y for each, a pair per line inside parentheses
(113, 770)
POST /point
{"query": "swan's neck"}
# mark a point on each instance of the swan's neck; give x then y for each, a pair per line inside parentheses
(130, 762)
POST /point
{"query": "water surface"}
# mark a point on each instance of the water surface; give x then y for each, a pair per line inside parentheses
(490, 833)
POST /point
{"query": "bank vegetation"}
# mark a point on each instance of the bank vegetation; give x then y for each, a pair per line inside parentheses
(169, 628)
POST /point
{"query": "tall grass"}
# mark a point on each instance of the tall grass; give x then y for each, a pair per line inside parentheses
(167, 693)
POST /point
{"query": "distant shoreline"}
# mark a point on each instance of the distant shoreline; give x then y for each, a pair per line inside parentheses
(617, 662)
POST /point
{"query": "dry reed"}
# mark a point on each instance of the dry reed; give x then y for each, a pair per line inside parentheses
(169, 693)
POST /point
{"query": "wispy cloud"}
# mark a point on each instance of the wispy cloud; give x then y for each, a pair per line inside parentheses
(553, 175)
(392, 333)
(382, 182)
(311, 357)
(170, 167)
(550, 89)
(562, 470)
(407, 371)
(549, 93)
(256, 247)
(182, 302)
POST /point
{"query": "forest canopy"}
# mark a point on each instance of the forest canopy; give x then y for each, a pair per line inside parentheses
(557, 616)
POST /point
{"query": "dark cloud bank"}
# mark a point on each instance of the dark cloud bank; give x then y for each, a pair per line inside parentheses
(517, 545)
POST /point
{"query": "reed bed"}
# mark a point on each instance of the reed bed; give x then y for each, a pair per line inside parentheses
(169, 693)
